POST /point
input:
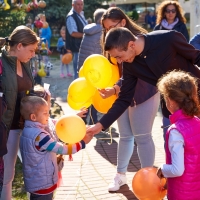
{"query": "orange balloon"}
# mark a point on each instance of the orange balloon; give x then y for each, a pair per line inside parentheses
(113, 60)
(80, 90)
(78, 105)
(103, 105)
(67, 58)
(147, 185)
(115, 75)
(70, 129)
(80, 73)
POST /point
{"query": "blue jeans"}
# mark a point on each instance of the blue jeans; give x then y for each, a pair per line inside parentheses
(75, 64)
(136, 122)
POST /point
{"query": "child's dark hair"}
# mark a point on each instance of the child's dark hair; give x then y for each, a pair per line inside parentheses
(181, 87)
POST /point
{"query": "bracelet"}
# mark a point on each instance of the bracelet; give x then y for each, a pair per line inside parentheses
(115, 90)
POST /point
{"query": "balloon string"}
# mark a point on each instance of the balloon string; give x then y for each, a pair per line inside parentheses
(108, 132)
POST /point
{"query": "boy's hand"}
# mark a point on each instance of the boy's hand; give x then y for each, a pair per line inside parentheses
(82, 112)
(87, 138)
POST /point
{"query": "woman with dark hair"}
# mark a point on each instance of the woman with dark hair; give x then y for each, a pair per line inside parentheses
(144, 107)
(170, 17)
(16, 78)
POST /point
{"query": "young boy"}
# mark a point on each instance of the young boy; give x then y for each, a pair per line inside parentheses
(39, 150)
(62, 50)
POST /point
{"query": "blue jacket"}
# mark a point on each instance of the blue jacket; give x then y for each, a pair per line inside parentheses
(46, 34)
(195, 41)
(40, 169)
(61, 46)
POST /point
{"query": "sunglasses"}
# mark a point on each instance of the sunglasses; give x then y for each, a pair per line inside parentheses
(172, 10)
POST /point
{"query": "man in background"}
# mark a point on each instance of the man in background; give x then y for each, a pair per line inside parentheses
(75, 23)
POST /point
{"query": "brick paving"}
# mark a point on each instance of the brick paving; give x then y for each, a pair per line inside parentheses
(88, 175)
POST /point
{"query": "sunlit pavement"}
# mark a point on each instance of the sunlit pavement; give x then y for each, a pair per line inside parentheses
(88, 175)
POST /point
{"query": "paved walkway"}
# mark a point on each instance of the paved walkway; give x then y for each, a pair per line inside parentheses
(88, 175)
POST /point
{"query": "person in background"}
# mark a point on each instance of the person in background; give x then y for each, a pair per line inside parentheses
(39, 149)
(195, 41)
(89, 20)
(90, 44)
(30, 23)
(143, 107)
(170, 17)
(45, 35)
(75, 23)
(16, 78)
(150, 20)
(62, 50)
(182, 138)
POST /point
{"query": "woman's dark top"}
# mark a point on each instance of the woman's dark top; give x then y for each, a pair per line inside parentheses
(180, 27)
(24, 83)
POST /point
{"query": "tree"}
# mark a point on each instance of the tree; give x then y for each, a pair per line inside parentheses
(91, 6)
(56, 11)
(9, 19)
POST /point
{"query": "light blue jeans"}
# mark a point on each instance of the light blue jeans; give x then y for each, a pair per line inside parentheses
(75, 64)
(136, 122)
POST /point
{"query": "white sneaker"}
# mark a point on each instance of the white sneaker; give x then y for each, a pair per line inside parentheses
(118, 181)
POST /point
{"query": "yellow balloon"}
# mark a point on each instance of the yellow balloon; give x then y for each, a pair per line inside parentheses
(80, 73)
(115, 75)
(41, 71)
(103, 105)
(70, 129)
(78, 105)
(80, 90)
(97, 70)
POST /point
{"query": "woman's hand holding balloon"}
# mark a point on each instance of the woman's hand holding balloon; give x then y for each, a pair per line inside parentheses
(82, 112)
(107, 92)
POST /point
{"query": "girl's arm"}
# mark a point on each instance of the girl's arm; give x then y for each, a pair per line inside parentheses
(176, 148)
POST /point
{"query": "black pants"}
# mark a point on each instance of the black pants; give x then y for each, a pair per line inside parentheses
(41, 197)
